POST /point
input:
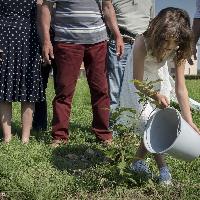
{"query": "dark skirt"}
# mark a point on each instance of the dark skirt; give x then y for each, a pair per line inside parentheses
(20, 73)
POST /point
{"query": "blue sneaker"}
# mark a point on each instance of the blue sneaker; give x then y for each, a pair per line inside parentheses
(165, 177)
(141, 168)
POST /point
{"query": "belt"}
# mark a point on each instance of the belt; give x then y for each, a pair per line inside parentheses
(128, 37)
(128, 40)
(127, 33)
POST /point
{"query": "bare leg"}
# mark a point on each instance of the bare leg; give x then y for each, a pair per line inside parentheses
(160, 160)
(5, 117)
(141, 152)
(27, 110)
(140, 166)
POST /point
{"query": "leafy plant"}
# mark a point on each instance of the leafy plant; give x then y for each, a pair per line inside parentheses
(146, 92)
(125, 122)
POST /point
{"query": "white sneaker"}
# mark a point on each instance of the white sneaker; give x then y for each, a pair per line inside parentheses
(140, 167)
(165, 177)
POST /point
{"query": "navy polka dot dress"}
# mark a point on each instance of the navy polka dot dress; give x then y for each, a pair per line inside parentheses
(20, 78)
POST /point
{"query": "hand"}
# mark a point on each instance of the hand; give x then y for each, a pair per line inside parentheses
(194, 127)
(47, 52)
(119, 46)
(162, 101)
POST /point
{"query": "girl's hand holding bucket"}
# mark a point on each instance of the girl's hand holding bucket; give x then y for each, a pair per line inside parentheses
(162, 101)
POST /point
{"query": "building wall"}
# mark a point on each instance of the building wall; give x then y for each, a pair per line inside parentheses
(189, 69)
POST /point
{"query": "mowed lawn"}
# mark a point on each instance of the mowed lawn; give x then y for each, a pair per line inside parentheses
(84, 169)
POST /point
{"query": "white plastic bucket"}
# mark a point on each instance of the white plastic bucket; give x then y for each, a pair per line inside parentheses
(167, 132)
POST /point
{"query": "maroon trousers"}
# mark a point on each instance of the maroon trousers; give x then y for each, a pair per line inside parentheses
(68, 58)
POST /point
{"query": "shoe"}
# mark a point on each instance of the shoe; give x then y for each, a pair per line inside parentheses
(165, 177)
(141, 168)
(57, 143)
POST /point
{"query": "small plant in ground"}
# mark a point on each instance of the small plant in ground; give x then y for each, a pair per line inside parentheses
(124, 123)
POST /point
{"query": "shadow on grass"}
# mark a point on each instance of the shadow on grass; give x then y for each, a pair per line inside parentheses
(92, 168)
(75, 157)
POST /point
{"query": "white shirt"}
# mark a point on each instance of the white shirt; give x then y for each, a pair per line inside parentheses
(133, 15)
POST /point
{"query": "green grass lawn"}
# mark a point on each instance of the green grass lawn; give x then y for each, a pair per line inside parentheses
(83, 169)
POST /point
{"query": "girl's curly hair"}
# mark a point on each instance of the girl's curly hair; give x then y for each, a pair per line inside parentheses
(170, 23)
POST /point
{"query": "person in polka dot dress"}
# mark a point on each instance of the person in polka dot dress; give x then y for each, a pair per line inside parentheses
(20, 76)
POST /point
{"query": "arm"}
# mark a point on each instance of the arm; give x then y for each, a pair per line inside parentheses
(39, 6)
(111, 22)
(45, 20)
(182, 95)
(139, 54)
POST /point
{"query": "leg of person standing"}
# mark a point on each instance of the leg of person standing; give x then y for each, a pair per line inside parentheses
(96, 72)
(5, 117)
(27, 110)
(68, 58)
(40, 114)
(40, 117)
(116, 69)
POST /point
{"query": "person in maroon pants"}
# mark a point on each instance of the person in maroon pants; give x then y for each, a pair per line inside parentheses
(80, 35)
